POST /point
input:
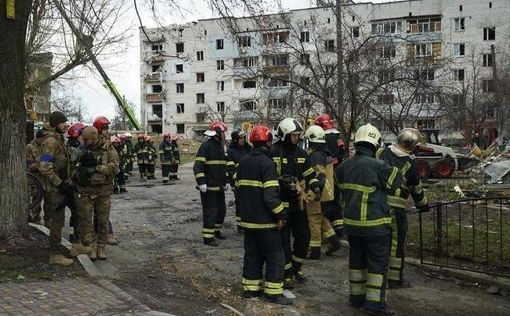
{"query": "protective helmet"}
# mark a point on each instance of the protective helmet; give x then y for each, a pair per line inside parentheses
(167, 136)
(115, 140)
(122, 137)
(56, 118)
(408, 138)
(289, 126)
(315, 134)
(215, 128)
(90, 133)
(149, 139)
(238, 133)
(260, 133)
(75, 130)
(101, 123)
(324, 121)
(128, 135)
(141, 137)
(369, 134)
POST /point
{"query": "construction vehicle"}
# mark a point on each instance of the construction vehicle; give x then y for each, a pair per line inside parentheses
(437, 161)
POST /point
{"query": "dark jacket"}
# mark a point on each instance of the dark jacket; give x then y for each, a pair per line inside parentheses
(411, 184)
(166, 153)
(211, 165)
(176, 152)
(257, 188)
(365, 182)
(234, 155)
(141, 150)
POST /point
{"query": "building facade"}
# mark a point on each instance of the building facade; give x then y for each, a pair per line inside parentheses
(261, 69)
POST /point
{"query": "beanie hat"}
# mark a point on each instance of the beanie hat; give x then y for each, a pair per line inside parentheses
(39, 134)
(56, 118)
(90, 133)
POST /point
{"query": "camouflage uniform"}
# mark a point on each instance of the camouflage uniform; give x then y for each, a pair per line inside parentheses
(94, 192)
(33, 156)
(55, 169)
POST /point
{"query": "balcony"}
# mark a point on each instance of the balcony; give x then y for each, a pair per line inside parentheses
(152, 76)
(155, 116)
(155, 97)
(155, 57)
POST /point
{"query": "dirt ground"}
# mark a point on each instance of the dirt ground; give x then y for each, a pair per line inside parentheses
(25, 259)
(162, 262)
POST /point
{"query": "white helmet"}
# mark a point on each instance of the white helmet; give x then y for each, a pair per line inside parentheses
(128, 135)
(369, 134)
(315, 134)
(289, 126)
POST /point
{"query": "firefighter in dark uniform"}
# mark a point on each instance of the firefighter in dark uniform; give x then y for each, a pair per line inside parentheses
(400, 155)
(174, 167)
(166, 157)
(236, 151)
(142, 156)
(295, 174)
(129, 148)
(322, 162)
(152, 156)
(262, 216)
(336, 146)
(365, 183)
(210, 171)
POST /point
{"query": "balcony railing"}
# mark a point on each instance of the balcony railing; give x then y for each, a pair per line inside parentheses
(155, 57)
(154, 97)
(152, 76)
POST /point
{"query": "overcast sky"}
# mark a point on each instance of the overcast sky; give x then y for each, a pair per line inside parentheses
(124, 70)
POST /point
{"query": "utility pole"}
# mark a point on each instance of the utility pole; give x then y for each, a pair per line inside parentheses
(340, 63)
(502, 117)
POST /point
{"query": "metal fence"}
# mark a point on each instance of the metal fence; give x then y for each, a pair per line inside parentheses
(469, 234)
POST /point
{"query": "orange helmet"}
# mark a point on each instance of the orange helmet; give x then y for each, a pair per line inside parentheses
(75, 129)
(324, 121)
(216, 127)
(141, 136)
(167, 136)
(260, 133)
(101, 123)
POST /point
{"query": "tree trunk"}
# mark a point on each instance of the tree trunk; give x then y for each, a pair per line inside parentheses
(13, 216)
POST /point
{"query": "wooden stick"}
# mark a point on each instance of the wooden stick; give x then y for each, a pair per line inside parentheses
(233, 310)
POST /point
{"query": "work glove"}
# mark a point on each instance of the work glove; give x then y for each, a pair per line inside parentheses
(102, 169)
(282, 219)
(64, 188)
(227, 187)
(424, 208)
(202, 188)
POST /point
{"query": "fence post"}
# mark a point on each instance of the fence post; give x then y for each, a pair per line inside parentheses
(439, 235)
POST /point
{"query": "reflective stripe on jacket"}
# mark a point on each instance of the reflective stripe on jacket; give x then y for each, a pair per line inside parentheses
(211, 165)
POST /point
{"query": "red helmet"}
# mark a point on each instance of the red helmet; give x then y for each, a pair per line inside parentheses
(260, 133)
(324, 121)
(122, 137)
(167, 136)
(115, 139)
(141, 136)
(101, 123)
(75, 129)
(218, 125)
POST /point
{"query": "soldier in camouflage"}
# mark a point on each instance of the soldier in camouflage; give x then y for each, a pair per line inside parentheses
(98, 165)
(33, 154)
(55, 172)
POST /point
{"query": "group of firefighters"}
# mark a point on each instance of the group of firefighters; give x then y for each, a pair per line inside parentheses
(290, 201)
(80, 167)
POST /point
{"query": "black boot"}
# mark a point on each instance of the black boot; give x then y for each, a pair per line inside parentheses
(335, 245)
(315, 253)
(211, 242)
(402, 284)
(252, 294)
(123, 190)
(278, 299)
(219, 235)
(299, 276)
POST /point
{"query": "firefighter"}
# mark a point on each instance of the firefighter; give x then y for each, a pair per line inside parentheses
(73, 143)
(400, 155)
(210, 171)
(151, 158)
(142, 154)
(102, 124)
(33, 156)
(98, 165)
(322, 162)
(336, 146)
(124, 154)
(262, 216)
(294, 173)
(120, 179)
(365, 183)
(236, 151)
(166, 157)
(130, 154)
(55, 173)
(174, 167)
